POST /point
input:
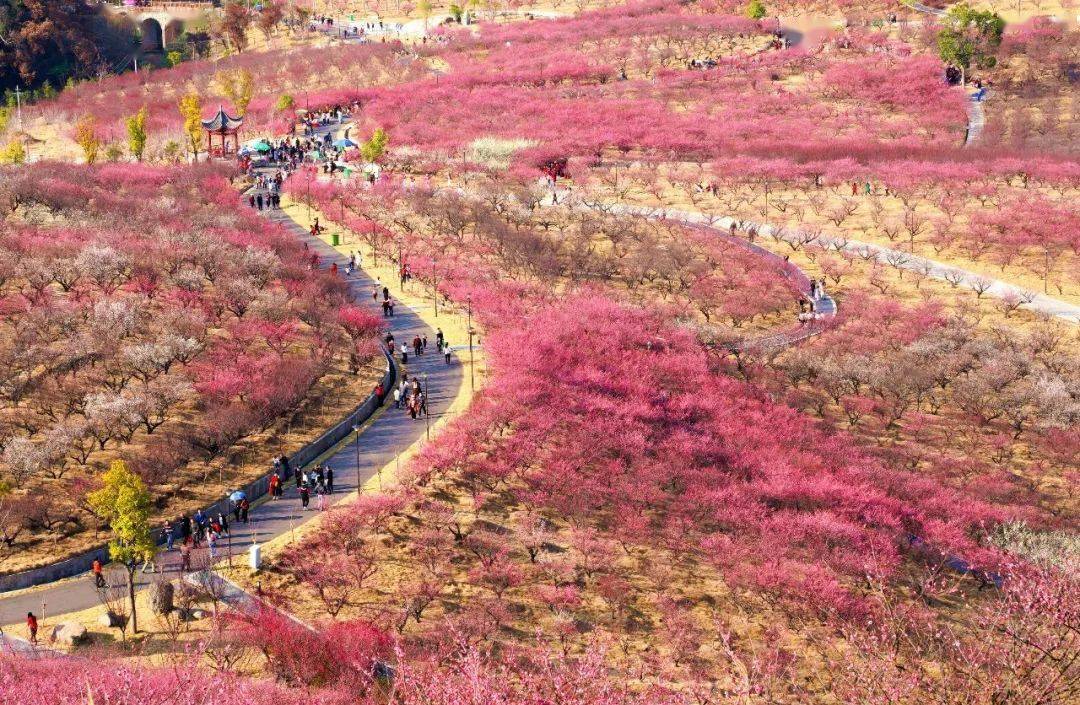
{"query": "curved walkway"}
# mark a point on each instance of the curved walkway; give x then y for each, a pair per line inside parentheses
(825, 308)
(378, 444)
(1040, 303)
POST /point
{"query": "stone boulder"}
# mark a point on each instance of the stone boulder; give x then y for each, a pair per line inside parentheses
(69, 634)
(112, 620)
(161, 597)
(192, 615)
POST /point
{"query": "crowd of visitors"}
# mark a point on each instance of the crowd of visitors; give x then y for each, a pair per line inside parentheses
(808, 306)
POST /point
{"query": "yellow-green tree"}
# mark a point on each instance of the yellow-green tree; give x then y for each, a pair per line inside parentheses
(375, 147)
(191, 111)
(13, 153)
(756, 10)
(285, 102)
(124, 502)
(86, 136)
(238, 86)
(136, 130)
(243, 90)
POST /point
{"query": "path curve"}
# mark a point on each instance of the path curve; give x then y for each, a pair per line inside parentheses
(1040, 303)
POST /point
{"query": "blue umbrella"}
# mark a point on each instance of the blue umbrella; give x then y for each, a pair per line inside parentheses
(344, 144)
(237, 496)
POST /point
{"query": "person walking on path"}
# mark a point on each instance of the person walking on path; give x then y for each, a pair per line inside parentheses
(244, 507)
(167, 532)
(305, 496)
(185, 557)
(439, 338)
(32, 626)
(148, 562)
(99, 576)
(330, 480)
(201, 521)
(275, 486)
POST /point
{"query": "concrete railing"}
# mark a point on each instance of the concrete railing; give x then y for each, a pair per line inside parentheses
(254, 490)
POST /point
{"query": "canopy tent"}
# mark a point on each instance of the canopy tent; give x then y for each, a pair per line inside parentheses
(344, 144)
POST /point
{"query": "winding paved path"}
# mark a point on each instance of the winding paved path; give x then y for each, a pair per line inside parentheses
(1040, 303)
(379, 443)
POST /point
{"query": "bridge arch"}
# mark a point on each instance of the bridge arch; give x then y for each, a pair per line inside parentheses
(152, 35)
(171, 31)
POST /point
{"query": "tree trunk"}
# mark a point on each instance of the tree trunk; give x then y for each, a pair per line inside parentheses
(131, 597)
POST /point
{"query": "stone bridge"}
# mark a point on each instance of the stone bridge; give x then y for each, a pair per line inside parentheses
(159, 23)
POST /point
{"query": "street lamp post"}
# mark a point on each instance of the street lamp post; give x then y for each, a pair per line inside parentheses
(472, 376)
(356, 429)
(307, 196)
(427, 412)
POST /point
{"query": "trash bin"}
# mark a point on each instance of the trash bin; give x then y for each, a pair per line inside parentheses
(335, 239)
(255, 556)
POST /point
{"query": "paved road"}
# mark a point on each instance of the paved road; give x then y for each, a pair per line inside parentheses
(976, 120)
(379, 443)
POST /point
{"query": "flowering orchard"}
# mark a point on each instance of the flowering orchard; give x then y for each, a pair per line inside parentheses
(609, 475)
(605, 83)
(639, 506)
(146, 316)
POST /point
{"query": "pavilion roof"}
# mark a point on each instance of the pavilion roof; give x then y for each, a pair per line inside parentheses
(222, 122)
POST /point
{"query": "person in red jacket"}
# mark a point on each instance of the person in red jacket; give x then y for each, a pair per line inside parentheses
(32, 626)
(99, 576)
